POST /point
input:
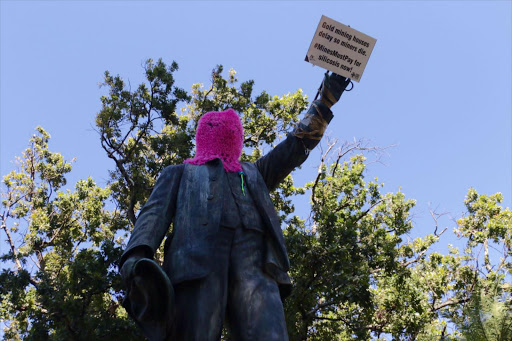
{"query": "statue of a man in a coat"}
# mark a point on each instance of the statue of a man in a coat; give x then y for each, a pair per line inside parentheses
(226, 257)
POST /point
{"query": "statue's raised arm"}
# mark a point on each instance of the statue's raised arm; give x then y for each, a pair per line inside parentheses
(294, 150)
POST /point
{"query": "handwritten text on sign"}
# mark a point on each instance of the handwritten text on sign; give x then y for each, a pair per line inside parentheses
(340, 49)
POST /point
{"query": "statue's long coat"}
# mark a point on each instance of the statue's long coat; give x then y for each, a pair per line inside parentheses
(191, 197)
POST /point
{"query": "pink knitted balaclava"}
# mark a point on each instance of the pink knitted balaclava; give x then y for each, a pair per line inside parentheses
(219, 135)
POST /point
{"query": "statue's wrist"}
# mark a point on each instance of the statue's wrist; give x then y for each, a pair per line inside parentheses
(326, 102)
(322, 109)
(137, 254)
(129, 263)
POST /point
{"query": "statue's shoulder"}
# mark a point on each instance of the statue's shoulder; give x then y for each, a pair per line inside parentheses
(173, 170)
(250, 170)
(249, 166)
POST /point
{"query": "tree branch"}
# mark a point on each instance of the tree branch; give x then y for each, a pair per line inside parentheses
(422, 253)
(322, 163)
(449, 302)
(13, 248)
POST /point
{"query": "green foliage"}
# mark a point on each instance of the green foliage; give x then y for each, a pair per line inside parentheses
(61, 244)
(351, 241)
(487, 316)
(356, 274)
(141, 132)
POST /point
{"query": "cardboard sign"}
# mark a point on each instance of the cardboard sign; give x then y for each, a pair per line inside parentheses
(340, 49)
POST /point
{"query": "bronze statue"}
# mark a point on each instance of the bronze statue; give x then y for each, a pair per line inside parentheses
(225, 258)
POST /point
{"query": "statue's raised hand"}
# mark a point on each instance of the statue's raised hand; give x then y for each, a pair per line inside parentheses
(332, 88)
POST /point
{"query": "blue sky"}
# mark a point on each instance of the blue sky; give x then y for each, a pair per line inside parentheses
(438, 84)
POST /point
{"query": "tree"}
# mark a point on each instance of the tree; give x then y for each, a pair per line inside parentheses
(64, 283)
(488, 227)
(142, 133)
(355, 274)
(487, 316)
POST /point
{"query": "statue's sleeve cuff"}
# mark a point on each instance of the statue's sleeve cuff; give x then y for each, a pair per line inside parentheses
(312, 127)
(142, 250)
(322, 110)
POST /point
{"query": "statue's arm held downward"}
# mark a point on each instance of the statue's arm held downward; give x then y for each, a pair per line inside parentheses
(154, 219)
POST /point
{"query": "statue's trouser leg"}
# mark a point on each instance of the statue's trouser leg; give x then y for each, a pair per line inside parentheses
(254, 304)
(201, 304)
(255, 310)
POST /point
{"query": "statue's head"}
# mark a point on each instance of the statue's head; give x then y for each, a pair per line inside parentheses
(219, 135)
